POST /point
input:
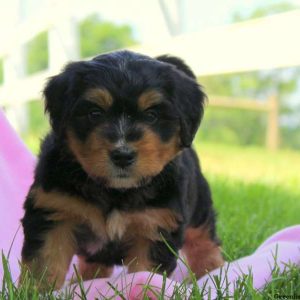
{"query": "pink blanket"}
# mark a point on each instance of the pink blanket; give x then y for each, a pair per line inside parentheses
(16, 169)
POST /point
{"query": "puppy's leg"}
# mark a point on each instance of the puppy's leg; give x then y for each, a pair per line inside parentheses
(49, 254)
(147, 255)
(203, 254)
(92, 270)
(138, 256)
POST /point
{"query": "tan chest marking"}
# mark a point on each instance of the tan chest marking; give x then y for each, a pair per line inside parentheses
(144, 223)
(70, 208)
(117, 225)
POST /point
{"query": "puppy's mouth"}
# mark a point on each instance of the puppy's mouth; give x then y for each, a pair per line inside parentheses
(121, 173)
(125, 178)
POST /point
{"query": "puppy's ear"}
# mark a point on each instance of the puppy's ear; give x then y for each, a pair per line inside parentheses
(54, 94)
(178, 63)
(188, 97)
(59, 94)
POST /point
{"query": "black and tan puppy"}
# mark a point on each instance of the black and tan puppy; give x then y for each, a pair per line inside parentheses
(116, 172)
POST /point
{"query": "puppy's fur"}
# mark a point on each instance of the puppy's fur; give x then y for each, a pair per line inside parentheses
(111, 208)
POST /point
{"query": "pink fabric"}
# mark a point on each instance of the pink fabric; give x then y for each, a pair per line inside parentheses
(16, 168)
(284, 245)
(16, 172)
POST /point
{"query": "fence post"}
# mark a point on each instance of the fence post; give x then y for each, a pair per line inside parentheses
(272, 137)
(14, 71)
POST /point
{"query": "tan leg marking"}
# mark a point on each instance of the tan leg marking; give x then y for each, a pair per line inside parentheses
(93, 270)
(142, 229)
(60, 244)
(54, 258)
(203, 254)
(138, 256)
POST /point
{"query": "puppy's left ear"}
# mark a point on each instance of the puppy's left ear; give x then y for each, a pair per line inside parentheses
(55, 95)
(59, 94)
(188, 97)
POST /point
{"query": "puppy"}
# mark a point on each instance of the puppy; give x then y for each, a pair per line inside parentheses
(117, 181)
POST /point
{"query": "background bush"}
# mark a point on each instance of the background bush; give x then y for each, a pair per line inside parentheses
(37, 53)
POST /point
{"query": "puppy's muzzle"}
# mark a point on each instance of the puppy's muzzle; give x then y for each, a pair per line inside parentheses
(123, 157)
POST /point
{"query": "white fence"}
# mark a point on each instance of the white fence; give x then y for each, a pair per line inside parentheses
(265, 43)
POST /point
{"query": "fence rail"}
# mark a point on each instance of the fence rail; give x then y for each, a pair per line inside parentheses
(203, 55)
(270, 107)
(239, 42)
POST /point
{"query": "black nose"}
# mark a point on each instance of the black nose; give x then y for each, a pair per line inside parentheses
(123, 157)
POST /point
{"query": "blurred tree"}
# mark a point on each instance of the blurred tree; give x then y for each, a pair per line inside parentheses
(257, 84)
(233, 126)
(1, 71)
(264, 11)
(98, 36)
(37, 53)
(38, 126)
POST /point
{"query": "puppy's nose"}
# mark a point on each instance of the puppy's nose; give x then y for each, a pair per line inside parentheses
(123, 157)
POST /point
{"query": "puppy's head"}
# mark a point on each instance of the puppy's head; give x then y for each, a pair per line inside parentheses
(124, 115)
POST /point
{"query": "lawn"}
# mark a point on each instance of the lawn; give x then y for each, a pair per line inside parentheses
(256, 193)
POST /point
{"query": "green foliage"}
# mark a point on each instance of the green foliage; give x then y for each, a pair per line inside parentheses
(263, 11)
(38, 125)
(246, 127)
(97, 36)
(37, 53)
(38, 122)
(243, 127)
(290, 137)
(1, 72)
(256, 84)
(233, 126)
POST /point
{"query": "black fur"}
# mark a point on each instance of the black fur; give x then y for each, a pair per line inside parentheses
(180, 185)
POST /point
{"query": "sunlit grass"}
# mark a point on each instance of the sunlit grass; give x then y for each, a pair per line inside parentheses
(251, 164)
(256, 192)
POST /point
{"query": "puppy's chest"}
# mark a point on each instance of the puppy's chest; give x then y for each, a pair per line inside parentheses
(126, 227)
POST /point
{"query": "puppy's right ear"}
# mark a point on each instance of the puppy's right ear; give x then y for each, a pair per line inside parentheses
(188, 97)
(55, 93)
(178, 63)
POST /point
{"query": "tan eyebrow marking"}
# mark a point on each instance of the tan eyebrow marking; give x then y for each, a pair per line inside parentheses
(149, 98)
(102, 97)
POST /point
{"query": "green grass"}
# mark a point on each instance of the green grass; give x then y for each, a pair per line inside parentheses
(254, 190)
(256, 193)
(249, 213)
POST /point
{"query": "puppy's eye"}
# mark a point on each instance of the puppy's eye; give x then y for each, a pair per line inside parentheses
(95, 115)
(151, 116)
